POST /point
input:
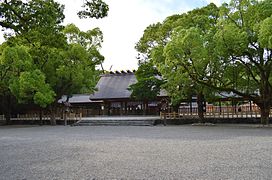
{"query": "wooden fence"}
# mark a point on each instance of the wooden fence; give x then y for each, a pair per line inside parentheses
(215, 112)
(2, 117)
(36, 117)
(183, 112)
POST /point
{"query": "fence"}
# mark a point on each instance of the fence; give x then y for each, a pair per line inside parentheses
(36, 117)
(216, 112)
(2, 117)
(170, 115)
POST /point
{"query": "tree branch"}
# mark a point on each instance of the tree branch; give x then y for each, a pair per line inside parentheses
(220, 88)
(5, 73)
(248, 68)
(249, 56)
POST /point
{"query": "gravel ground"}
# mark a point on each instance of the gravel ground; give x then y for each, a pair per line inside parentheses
(171, 152)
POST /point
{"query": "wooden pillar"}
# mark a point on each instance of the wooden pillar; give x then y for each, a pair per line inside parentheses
(65, 118)
(41, 116)
(233, 111)
(220, 107)
(250, 108)
(228, 110)
(126, 108)
(105, 108)
(191, 107)
(143, 108)
(121, 109)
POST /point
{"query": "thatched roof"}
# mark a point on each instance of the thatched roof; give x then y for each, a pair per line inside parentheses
(110, 86)
(115, 86)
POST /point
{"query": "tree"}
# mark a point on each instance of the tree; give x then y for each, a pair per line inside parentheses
(34, 25)
(236, 53)
(155, 46)
(155, 37)
(77, 73)
(58, 66)
(20, 79)
(148, 84)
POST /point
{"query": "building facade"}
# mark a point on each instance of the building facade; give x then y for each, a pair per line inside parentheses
(113, 97)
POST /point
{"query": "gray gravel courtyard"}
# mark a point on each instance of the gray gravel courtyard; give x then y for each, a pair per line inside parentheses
(171, 152)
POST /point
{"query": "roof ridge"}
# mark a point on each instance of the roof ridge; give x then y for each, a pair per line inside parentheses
(118, 74)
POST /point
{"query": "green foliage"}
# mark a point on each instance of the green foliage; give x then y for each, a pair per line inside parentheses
(217, 49)
(94, 9)
(265, 33)
(20, 78)
(32, 16)
(32, 86)
(181, 37)
(91, 38)
(16, 59)
(41, 60)
(149, 82)
(212, 49)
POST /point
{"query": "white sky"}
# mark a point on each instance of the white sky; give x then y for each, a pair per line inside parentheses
(125, 24)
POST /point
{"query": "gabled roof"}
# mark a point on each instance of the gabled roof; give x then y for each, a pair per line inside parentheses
(114, 86)
(110, 86)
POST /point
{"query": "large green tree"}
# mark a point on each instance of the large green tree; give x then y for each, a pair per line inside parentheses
(231, 55)
(77, 72)
(60, 60)
(21, 80)
(151, 43)
(33, 27)
(204, 19)
(154, 46)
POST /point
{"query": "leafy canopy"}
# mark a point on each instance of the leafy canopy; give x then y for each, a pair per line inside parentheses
(149, 82)
(225, 49)
(41, 60)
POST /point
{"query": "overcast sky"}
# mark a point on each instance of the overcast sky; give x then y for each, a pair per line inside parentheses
(125, 24)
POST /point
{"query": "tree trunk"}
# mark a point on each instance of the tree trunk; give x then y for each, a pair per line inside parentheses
(40, 116)
(191, 106)
(265, 98)
(7, 117)
(65, 118)
(53, 121)
(264, 106)
(7, 108)
(145, 106)
(176, 107)
(265, 115)
(200, 106)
